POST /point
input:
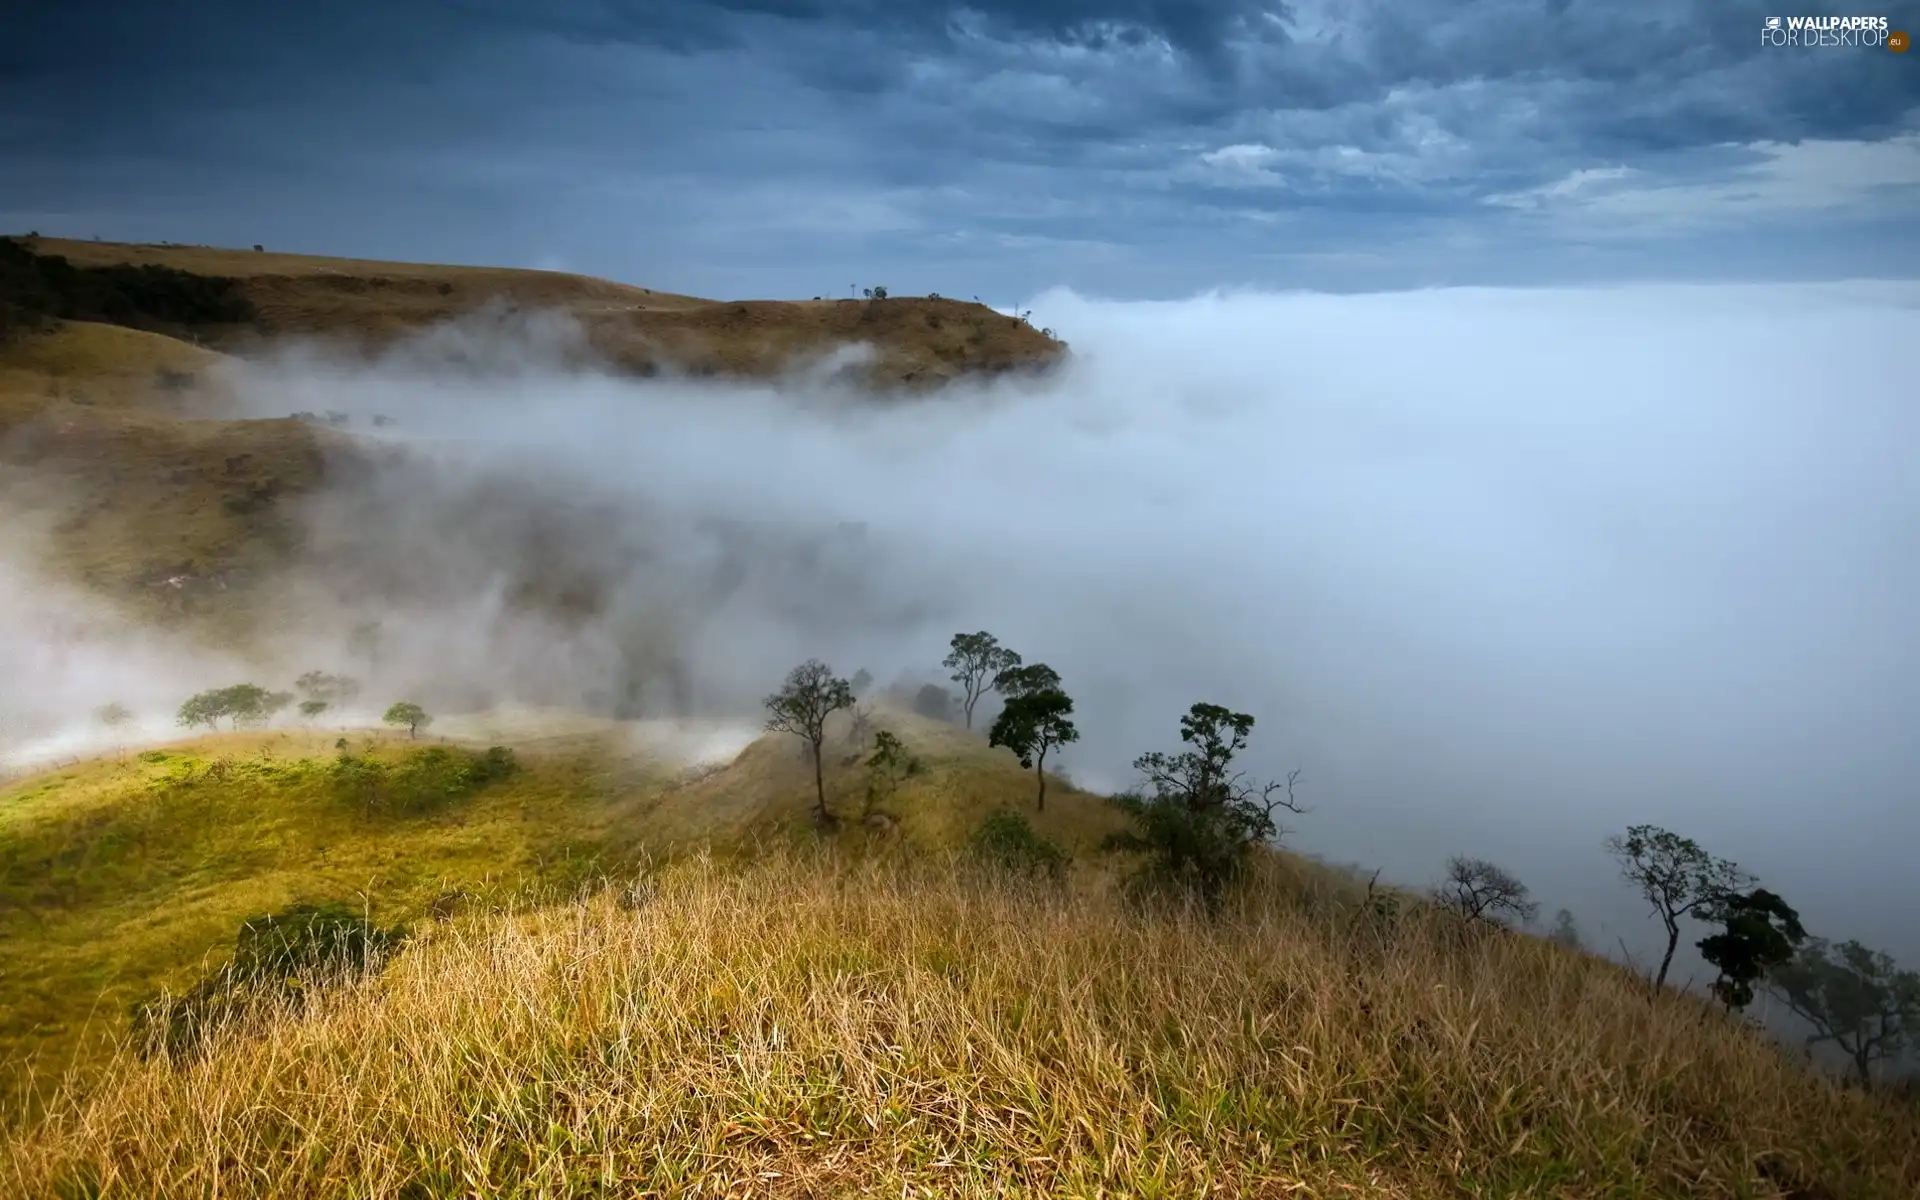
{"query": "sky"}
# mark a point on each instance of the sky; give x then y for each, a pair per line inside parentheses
(1125, 148)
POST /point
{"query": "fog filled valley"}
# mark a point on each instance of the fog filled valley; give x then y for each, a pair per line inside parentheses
(1499, 573)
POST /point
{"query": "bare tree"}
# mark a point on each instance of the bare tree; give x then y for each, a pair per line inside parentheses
(810, 694)
(1858, 999)
(1677, 877)
(1481, 891)
(977, 662)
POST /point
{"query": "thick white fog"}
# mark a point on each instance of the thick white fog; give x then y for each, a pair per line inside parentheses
(1501, 572)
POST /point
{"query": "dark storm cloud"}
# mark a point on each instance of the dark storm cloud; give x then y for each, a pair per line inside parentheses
(1073, 135)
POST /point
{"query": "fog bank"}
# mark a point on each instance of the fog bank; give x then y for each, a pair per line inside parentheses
(1501, 571)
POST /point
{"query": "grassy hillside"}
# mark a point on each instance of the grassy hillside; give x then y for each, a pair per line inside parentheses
(121, 874)
(813, 1025)
(112, 476)
(920, 341)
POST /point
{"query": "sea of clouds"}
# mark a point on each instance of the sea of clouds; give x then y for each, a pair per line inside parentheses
(1500, 571)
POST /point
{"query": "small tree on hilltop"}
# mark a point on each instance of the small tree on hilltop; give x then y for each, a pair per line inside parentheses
(1677, 877)
(1481, 891)
(886, 767)
(409, 714)
(1856, 998)
(1203, 819)
(243, 702)
(312, 708)
(247, 704)
(810, 694)
(1759, 932)
(112, 716)
(1566, 930)
(977, 659)
(203, 708)
(1032, 723)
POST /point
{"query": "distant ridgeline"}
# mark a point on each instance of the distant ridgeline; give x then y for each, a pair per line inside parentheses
(36, 288)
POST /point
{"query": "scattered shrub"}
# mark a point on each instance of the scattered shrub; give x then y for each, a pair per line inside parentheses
(1008, 841)
(280, 958)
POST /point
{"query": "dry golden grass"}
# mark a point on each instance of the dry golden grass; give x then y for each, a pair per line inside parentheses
(85, 363)
(920, 342)
(813, 1025)
(123, 873)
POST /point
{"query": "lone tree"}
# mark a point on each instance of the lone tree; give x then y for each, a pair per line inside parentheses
(1677, 877)
(1203, 819)
(312, 708)
(886, 767)
(1481, 891)
(1032, 723)
(810, 695)
(113, 716)
(1759, 932)
(977, 660)
(406, 712)
(1566, 930)
(1856, 998)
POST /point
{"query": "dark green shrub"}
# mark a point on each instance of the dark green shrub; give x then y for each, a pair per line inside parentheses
(424, 780)
(1008, 841)
(39, 287)
(283, 958)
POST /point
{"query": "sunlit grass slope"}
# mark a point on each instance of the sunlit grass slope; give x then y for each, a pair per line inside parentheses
(123, 874)
(810, 1024)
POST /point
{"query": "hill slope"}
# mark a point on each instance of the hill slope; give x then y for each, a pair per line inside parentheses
(114, 473)
(121, 874)
(809, 1025)
(920, 341)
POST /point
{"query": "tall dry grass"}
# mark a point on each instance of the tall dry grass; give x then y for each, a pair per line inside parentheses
(801, 1025)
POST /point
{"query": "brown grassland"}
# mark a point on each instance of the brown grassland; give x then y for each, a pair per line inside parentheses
(920, 341)
(814, 1023)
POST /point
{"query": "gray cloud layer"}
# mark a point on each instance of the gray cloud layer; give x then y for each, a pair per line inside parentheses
(1135, 148)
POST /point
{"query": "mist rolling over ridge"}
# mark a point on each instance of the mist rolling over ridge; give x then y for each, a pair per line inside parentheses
(1500, 571)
